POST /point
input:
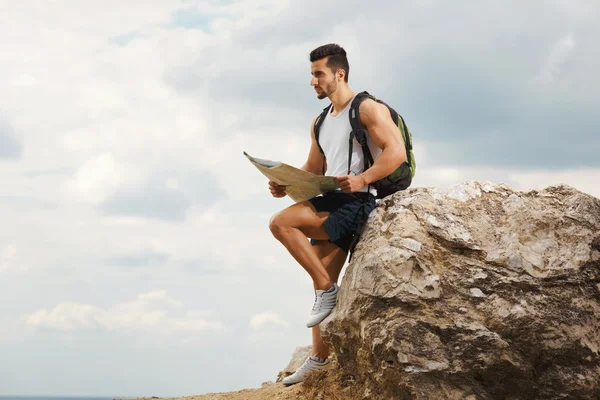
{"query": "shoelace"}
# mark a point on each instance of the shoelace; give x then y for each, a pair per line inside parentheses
(319, 302)
(305, 365)
(317, 305)
(302, 368)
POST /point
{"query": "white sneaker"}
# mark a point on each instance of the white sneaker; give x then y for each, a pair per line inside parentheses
(324, 304)
(309, 366)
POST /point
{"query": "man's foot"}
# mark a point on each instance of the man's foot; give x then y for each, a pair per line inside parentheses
(325, 301)
(309, 366)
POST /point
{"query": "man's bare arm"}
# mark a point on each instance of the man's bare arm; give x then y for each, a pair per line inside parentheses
(315, 160)
(376, 119)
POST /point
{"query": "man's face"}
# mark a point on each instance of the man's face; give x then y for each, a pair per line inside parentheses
(323, 80)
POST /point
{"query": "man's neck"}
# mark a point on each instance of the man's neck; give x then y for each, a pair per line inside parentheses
(341, 98)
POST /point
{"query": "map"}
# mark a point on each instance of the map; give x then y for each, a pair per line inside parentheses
(301, 185)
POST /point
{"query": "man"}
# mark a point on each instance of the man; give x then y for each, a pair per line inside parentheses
(331, 220)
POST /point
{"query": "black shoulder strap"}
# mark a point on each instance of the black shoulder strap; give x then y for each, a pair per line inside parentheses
(318, 123)
(317, 129)
(358, 130)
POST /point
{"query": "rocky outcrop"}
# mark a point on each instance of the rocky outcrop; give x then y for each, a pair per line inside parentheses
(474, 292)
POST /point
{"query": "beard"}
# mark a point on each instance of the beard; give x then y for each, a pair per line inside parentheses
(327, 90)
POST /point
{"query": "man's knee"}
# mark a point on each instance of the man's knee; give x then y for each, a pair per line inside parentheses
(294, 218)
(277, 225)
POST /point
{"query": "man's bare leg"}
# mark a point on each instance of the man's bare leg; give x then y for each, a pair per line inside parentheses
(292, 227)
(333, 259)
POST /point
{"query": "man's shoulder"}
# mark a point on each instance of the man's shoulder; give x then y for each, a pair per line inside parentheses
(369, 104)
(314, 121)
(370, 109)
(318, 117)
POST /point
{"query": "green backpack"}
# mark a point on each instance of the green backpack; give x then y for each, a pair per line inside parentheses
(401, 178)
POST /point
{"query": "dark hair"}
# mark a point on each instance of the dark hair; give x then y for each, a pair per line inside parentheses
(336, 58)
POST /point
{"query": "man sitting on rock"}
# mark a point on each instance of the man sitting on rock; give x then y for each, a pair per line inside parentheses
(332, 220)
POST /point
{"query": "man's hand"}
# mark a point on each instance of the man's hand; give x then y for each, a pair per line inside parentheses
(277, 190)
(351, 183)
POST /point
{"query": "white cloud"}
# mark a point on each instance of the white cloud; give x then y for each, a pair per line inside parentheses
(66, 317)
(267, 319)
(23, 80)
(153, 313)
(584, 179)
(99, 178)
(559, 54)
(7, 254)
(131, 104)
(11, 146)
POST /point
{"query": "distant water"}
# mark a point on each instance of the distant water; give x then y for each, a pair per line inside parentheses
(58, 398)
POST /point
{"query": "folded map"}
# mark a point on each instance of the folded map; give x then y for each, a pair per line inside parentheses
(300, 185)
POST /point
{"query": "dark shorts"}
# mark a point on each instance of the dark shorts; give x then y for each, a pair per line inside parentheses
(349, 212)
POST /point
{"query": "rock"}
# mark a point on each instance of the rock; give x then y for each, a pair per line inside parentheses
(477, 291)
(297, 360)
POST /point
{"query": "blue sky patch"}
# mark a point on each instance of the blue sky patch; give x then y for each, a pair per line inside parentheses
(123, 40)
(189, 18)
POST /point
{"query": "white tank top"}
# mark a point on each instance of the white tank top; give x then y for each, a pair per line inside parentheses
(333, 138)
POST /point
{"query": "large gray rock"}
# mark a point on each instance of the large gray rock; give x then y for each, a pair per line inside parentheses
(477, 291)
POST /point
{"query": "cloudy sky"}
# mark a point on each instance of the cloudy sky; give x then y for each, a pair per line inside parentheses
(135, 255)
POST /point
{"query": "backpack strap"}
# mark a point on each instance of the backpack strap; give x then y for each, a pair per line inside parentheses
(317, 128)
(397, 118)
(407, 141)
(358, 131)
